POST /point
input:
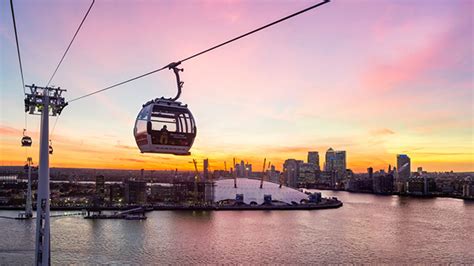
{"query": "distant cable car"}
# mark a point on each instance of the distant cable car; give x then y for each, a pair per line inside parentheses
(50, 148)
(166, 125)
(26, 140)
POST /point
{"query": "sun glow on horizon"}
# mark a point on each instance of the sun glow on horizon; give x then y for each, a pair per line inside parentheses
(377, 83)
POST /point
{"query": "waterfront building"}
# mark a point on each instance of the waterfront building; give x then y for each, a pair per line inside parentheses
(421, 185)
(356, 184)
(291, 172)
(326, 179)
(313, 158)
(193, 192)
(382, 184)
(162, 192)
(306, 173)
(403, 166)
(135, 191)
(402, 173)
(336, 161)
(99, 190)
(115, 193)
(468, 188)
(249, 192)
(340, 165)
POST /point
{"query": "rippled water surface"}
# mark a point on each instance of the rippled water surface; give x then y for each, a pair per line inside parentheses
(368, 228)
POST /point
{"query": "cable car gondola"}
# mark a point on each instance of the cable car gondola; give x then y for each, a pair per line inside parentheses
(165, 125)
(26, 140)
(50, 147)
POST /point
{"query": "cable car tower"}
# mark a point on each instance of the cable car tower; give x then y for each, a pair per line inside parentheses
(44, 101)
(29, 203)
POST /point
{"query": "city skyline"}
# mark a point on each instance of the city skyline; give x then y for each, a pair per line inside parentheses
(407, 96)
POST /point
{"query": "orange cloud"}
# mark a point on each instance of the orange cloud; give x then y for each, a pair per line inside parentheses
(130, 160)
(381, 132)
(126, 147)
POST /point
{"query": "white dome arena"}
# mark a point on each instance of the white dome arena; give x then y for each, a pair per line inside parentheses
(250, 188)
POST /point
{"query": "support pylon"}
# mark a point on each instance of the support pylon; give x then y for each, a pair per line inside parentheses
(40, 102)
(42, 200)
(29, 204)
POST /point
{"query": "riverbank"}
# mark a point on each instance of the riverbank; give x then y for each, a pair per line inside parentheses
(395, 194)
(330, 204)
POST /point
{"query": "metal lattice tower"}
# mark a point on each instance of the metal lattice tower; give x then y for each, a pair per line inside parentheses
(44, 101)
(29, 204)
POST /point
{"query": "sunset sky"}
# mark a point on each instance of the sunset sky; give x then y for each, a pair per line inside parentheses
(375, 78)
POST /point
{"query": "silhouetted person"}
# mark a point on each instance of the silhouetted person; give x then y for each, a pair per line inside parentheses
(164, 135)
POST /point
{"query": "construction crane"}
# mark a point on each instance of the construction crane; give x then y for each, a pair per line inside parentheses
(197, 179)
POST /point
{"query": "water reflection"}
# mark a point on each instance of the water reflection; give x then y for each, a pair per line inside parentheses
(368, 228)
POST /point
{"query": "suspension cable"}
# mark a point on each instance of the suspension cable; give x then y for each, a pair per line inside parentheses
(69, 46)
(19, 56)
(17, 46)
(204, 51)
(54, 127)
(62, 58)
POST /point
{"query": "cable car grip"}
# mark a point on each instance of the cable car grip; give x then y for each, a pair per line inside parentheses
(179, 83)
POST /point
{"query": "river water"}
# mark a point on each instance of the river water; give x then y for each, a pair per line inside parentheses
(368, 228)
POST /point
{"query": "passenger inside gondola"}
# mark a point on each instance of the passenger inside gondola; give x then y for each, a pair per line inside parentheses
(164, 135)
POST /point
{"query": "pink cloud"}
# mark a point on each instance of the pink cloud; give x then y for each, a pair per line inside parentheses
(443, 49)
(9, 131)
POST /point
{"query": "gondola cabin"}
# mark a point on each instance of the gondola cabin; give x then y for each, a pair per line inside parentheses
(165, 126)
(26, 141)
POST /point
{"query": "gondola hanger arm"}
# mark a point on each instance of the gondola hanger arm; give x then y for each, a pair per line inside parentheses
(179, 83)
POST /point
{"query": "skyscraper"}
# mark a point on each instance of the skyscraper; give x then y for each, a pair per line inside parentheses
(403, 166)
(313, 158)
(291, 171)
(330, 158)
(248, 169)
(306, 173)
(340, 164)
(336, 161)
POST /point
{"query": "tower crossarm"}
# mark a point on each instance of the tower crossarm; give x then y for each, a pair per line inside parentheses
(34, 100)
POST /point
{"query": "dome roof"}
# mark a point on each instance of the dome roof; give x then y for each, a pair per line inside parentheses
(224, 190)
